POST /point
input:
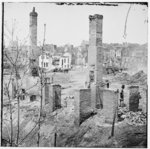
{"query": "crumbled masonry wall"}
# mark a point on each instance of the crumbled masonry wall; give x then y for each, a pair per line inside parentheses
(52, 96)
(82, 105)
(96, 96)
(144, 99)
(134, 98)
(56, 97)
(110, 102)
(46, 94)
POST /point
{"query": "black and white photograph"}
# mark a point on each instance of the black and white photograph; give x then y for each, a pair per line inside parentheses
(74, 74)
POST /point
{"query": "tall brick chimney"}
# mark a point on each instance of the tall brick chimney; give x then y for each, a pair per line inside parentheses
(33, 28)
(33, 43)
(95, 51)
(95, 58)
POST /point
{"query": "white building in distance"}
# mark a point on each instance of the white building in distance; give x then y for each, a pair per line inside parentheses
(65, 61)
(45, 61)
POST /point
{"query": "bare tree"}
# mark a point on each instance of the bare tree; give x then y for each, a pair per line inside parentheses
(17, 59)
(6, 91)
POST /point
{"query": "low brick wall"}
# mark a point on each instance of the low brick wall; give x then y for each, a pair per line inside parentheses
(84, 104)
(52, 96)
(110, 102)
(56, 97)
(83, 108)
(134, 98)
(96, 97)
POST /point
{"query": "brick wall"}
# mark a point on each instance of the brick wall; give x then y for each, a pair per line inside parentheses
(110, 102)
(95, 37)
(95, 56)
(56, 97)
(96, 96)
(82, 105)
(52, 96)
(85, 99)
(134, 98)
(33, 30)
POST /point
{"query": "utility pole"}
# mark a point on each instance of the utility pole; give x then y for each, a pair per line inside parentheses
(114, 116)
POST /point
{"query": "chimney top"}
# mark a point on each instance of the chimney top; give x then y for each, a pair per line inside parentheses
(33, 9)
(96, 16)
(33, 13)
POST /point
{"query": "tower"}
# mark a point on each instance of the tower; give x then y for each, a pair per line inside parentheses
(95, 58)
(33, 30)
(33, 43)
(95, 55)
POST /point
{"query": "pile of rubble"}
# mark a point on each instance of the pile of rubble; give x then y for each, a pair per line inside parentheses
(138, 78)
(135, 118)
(123, 77)
(132, 118)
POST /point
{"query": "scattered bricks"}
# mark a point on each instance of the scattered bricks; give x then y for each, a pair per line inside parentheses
(83, 108)
(134, 98)
(110, 103)
(136, 118)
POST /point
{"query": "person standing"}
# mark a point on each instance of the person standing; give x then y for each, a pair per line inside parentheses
(122, 95)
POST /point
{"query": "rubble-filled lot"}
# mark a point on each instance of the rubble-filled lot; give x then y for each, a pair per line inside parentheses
(131, 131)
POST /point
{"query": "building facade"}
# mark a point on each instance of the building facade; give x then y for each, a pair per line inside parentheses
(45, 61)
(65, 61)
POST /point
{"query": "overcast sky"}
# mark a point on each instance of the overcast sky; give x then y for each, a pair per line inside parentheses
(70, 24)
